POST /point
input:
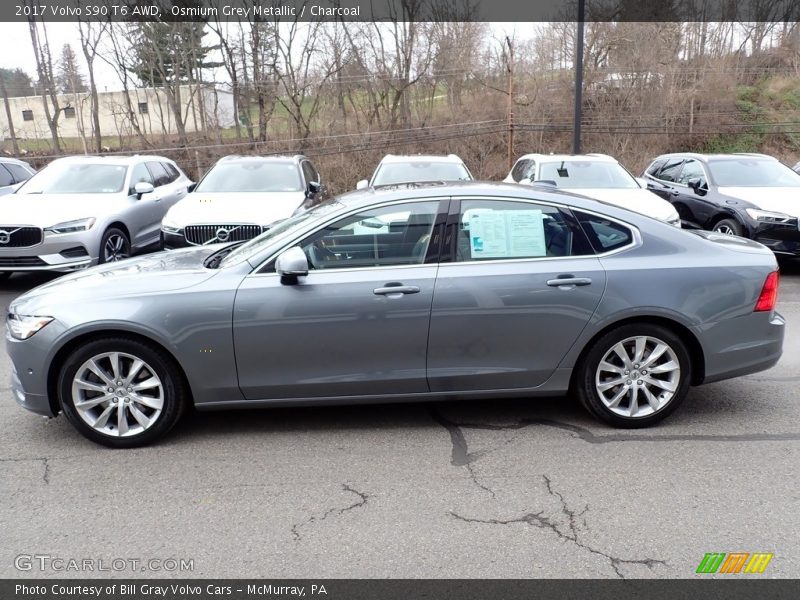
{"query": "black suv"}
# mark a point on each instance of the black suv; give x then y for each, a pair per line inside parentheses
(750, 195)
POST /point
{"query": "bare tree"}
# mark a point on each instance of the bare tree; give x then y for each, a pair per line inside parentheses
(91, 34)
(47, 84)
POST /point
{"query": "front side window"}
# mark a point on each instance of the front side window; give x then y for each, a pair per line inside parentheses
(692, 169)
(252, 176)
(5, 177)
(160, 176)
(309, 173)
(500, 229)
(139, 174)
(76, 178)
(419, 171)
(379, 237)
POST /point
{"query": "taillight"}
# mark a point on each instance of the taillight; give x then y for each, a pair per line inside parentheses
(769, 293)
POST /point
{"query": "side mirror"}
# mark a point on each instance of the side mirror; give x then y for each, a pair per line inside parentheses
(292, 263)
(190, 188)
(314, 188)
(362, 184)
(142, 188)
(698, 185)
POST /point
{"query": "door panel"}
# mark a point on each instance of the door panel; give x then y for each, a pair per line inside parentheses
(331, 334)
(501, 326)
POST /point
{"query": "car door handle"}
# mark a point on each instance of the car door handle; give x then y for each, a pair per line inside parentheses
(390, 290)
(674, 192)
(572, 281)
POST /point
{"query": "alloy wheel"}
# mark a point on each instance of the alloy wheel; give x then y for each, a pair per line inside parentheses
(118, 394)
(115, 248)
(638, 376)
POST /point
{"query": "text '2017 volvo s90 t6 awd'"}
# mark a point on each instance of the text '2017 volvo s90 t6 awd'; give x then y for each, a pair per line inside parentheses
(408, 292)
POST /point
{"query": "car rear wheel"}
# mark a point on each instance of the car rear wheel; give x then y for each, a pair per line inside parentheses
(729, 227)
(121, 392)
(635, 375)
(114, 246)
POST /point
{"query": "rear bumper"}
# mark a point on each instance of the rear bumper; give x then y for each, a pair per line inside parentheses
(741, 346)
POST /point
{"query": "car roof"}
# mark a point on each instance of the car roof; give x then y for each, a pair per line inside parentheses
(114, 159)
(404, 158)
(707, 157)
(568, 157)
(15, 161)
(256, 158)
(445, 189)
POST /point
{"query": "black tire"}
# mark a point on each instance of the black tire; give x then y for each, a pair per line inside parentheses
(175, 395)
(112, 234)
(729, 227)
(587, 375)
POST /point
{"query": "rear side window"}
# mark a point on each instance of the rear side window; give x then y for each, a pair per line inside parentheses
(692, 169)
(172, 172)
(506, 229)
(5, 176)
(655, 167)
(309, 173)
(605, 235)
(20, 173)
(524, 169)
(670, 170)
(160, 176)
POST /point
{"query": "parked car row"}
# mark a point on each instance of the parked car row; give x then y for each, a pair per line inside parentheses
(82, 211)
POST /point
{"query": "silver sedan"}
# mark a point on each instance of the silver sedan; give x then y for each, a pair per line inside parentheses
(406, 293)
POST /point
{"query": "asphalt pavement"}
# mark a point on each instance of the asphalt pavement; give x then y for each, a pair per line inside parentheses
(495, 489)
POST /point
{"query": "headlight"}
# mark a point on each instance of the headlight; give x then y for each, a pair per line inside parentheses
(21, 327)
(765, 216)
(72, 226)
(170, 226)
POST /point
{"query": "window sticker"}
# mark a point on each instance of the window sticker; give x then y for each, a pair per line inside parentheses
(505, 233)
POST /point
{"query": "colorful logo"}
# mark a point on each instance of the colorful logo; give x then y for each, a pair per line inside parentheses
(734, 562)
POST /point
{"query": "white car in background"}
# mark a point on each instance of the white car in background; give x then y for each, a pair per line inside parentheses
(241, 197)
(597, 176)
(396, 169)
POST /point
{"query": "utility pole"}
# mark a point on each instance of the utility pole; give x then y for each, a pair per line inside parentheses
(510, 109)
(576, 129)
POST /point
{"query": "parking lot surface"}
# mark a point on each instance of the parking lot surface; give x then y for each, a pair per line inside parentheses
(522, 488)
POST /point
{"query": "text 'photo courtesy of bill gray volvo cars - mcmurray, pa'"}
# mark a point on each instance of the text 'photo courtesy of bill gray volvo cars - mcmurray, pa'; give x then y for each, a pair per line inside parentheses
(395, 293)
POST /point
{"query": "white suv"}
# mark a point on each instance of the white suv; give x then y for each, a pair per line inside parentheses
(597, 176)
(241, 197)
(394, 169)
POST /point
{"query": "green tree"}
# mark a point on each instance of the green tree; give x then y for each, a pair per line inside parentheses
(69, 78)
(18, 82)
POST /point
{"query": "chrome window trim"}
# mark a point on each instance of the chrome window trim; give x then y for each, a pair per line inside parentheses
(342, 215)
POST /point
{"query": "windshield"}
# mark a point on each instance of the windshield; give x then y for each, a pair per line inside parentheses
(76, 178)
(587, 174)
(282, 229)
(251, 176)
(752, 172)
(410, 172)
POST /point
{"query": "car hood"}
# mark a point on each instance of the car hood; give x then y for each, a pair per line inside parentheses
(637, 200)
(777, 199)
(259, 208)
(153, 273)
(46, 210)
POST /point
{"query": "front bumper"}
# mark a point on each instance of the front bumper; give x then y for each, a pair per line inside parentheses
(781, 239)
(61, 253)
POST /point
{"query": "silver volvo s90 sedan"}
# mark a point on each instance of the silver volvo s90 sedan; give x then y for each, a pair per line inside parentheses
(84, 210)
(408, 292)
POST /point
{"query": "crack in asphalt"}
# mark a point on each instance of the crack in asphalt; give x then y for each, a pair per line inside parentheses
(541, 521)
(362, 500)
(42, 459)
(461, 456)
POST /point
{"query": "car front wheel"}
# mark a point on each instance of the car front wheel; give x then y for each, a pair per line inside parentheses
(729, 227)
(635, 375)
(114, 246)
(121, 392)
